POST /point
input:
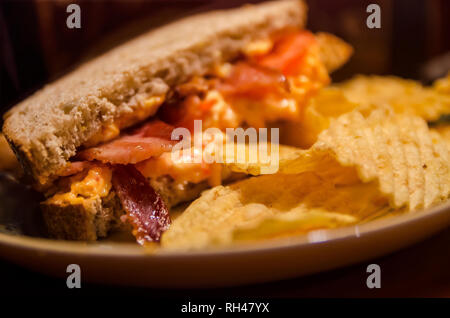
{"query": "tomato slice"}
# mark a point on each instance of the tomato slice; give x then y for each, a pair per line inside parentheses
(251, 81)
(288, 53)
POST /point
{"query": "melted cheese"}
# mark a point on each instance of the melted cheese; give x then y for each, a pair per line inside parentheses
(108, 132)
(143, 111)
(97, 183)
(258, 47)
(112, 130)
(179, 171)
(222, 115)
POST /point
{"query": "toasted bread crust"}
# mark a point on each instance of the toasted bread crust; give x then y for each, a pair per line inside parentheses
(97, 217)
(46, 129)
(93, 219)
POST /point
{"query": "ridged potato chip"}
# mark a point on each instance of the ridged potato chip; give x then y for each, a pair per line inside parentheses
(272, 206)
(404, 96)
(442, 85)
(444, 132)
(409, 161)
(370, 158)
(330, 102)
(366, 93)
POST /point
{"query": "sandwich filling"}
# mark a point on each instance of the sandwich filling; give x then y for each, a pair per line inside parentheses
(271, 81)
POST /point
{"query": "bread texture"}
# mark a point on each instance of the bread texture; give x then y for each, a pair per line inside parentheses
(87, 221)
(95, 218)
(46, 129)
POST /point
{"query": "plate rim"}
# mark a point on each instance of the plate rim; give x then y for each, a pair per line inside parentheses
(128, 249)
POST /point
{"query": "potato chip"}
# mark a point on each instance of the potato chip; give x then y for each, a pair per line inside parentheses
(409, 161)
(329, 103)
(370, 158)
(442, 85)
(272, 206)
(255, 167)
(404, 96)
(366, 93)
(333, 50)
(444, 132)
(291, 224)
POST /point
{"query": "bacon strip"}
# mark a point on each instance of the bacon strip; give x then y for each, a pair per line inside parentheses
(155, 128)
(145, 210)
(150, 140)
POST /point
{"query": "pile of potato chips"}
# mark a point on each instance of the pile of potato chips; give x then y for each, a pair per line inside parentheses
(367, 148)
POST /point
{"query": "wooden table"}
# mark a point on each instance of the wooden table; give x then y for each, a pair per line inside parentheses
(422, 270)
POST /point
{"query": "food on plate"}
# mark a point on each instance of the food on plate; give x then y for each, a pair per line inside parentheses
(329, 103)
(404, 96)
(90, 139)
(271, 206)
(368, 92)
(363, 166)
(409, 161)
(103, 143)
(444, 132)
(407, 158)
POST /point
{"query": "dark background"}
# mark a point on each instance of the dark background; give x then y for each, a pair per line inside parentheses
(37, 47)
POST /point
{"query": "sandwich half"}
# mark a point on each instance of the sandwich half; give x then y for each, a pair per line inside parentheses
(97, 142)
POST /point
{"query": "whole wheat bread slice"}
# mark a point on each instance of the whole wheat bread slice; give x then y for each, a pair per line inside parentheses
(46, 129)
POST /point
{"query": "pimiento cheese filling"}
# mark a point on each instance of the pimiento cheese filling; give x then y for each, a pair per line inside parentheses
(96, 183)
(272, 82)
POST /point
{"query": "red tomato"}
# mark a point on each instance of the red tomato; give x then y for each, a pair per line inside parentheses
(251, 81)
(288, 53)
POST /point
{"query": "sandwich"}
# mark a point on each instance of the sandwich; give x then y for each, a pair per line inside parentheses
(97, 141)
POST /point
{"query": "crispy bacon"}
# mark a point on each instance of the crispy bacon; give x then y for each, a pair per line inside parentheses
(145, 210)
(150, 140)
